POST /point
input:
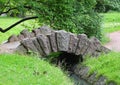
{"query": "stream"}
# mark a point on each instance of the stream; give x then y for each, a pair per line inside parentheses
(78, 80)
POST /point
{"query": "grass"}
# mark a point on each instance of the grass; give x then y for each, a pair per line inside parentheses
(107, 65)
(111, 17)
(7, 21)
(24, 70)
(111, 23)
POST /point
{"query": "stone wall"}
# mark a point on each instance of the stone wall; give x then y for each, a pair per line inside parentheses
(93, 79)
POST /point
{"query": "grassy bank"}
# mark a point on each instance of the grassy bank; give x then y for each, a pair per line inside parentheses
(7, 21)
(107, 65)
(24, 70)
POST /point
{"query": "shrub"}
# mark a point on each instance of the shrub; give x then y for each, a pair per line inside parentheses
(77, 16)
(106, 5)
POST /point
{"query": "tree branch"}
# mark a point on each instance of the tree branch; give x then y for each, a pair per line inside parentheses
(8, 10)
(13, 25)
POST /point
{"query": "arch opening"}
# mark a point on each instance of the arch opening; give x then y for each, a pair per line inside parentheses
(68, 60)
(64, 59)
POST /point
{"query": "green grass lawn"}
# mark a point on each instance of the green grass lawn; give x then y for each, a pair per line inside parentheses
(24, 70)
(7, 21)
(111, 23)
(107, 65)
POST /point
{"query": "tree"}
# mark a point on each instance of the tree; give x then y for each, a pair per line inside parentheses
(106, 5)
(76, 16)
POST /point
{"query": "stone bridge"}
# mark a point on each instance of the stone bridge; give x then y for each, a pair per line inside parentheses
(45, 40)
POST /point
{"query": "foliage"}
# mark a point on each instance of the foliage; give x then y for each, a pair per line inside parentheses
(107, 65)
(114, 5)
(23, 70)
(76, 16)
(106, 5)
(7, 21)
(110, 24)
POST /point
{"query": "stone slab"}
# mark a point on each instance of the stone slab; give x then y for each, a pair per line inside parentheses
(72, 43)
(44, 42)
(26, 33)
(28, 44)
(13, 38)
(63, 38)
(81, 43)
(53, 42)
(37, 45)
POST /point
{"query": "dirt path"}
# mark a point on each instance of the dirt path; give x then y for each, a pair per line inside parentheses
(114, 43)
(8, 47)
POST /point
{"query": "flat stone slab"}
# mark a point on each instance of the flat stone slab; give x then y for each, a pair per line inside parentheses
(9, 47)
(72, 43)
(38, 46)
(44, 42)
(53, 42)
(81, 43)
(13, 38)
(29, 45)
(63, 39)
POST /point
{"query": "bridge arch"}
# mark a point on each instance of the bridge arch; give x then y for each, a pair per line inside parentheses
(45, 40)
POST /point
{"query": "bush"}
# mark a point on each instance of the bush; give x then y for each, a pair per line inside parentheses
(77, 16)
(114, 5)
(106, 5)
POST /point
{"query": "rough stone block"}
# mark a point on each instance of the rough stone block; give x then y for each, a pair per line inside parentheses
(29, 45)
(104, 49)
(53, 43)
(81, 43)
(83, 72)
(85, 50)
(91, 48)
(36, 32)
(63, 38)
(45, 30)
(20, 37)
(97, 44)
(37, 45)
(45, 44)
(21, 49)
(85, 47)
(101, 81)
(13, 38)
(92, 78)
(26, 33)
(32, 34)
(72, 43)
